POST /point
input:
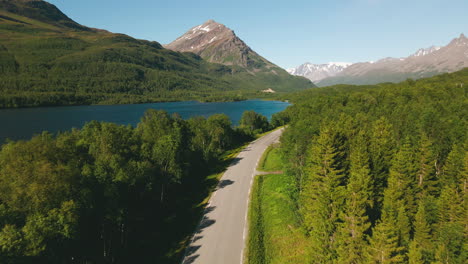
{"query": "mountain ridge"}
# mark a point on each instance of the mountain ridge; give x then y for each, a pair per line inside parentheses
(425, 62)
(317, 72)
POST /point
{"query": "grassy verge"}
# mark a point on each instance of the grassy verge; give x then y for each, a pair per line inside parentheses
(273, 162)
(275, 234)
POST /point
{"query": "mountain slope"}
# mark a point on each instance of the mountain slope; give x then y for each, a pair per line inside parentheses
(317, 72)
(424, 63)
(48, 59)
(218, 44)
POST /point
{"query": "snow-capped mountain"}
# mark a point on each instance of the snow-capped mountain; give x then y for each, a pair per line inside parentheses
(423, 63)
(426, 51)
(317, 72)
(217, 43)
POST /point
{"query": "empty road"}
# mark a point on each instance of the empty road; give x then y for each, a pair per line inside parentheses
(221, 235)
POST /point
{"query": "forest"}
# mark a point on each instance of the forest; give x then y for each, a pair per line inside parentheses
(109, 193)
(380, 172)
(47, 59)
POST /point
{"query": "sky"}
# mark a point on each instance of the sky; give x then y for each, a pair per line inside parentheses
(289, 32)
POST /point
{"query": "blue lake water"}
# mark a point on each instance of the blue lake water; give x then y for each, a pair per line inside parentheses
(26, 122)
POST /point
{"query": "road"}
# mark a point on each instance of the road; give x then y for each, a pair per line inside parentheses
(221, 236)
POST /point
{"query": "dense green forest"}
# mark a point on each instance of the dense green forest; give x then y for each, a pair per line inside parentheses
(48, 59)
(380, 172)
(110, 193)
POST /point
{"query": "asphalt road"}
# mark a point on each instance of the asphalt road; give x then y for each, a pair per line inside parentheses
(220, 238)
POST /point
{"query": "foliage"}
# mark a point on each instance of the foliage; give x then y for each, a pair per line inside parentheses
(380, 171)
(253, 123)
(110, 193)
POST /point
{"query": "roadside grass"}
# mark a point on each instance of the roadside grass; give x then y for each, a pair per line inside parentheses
(273, 162)
(275, 233)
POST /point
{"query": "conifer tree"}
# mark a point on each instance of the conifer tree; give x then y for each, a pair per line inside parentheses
(421, 248)
(359, 194)
(452, 169)
(384, 248)
(426, 174)
(322, 196)
(382, 150)
(452, 225)
(400, 190)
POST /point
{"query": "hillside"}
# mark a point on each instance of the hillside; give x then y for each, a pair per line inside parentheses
(423, 63)
(217, 43)
(48, 59)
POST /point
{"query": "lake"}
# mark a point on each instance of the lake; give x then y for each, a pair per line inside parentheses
(25, 122)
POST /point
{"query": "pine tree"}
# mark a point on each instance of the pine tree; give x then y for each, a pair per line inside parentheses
(403, 226)
(384, 248)
(382, 150)
(451, 171)
(401, 181)
(421, 247)
(322, 196)
(395, 212)
(426, 175)
(452, 225)
(359, 193)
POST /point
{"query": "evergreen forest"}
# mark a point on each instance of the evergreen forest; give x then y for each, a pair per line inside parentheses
(380, 172)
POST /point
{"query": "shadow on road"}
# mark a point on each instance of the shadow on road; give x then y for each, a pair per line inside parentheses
(190, 259)
(234, 161)
(192, 249)
(224, 183)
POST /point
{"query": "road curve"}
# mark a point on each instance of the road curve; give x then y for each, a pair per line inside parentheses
(221, 234)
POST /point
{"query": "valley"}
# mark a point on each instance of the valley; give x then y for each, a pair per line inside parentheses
(210, 148)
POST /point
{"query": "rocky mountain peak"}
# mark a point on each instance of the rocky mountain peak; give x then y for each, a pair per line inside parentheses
(460, 41)
(198, 38)
(217, 43)
(425, 51)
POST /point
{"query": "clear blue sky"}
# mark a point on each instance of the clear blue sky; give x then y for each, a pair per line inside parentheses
(292, 32)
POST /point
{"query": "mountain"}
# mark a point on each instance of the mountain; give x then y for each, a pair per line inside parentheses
(46, 58)
(217, 43)
(423, 63)
(317, 72)
(41, 11)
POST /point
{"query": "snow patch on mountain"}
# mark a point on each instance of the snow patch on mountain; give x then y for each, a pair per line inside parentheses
(317, 72)
(426, 51)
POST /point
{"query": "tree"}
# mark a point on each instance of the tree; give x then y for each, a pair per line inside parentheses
(401, 181)
(452, 168)
(254, 122)
(450, 238)
(323, 195)
(359, 194)
(421, 248)
(381, 152)
(426, 174)
(384, 246)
